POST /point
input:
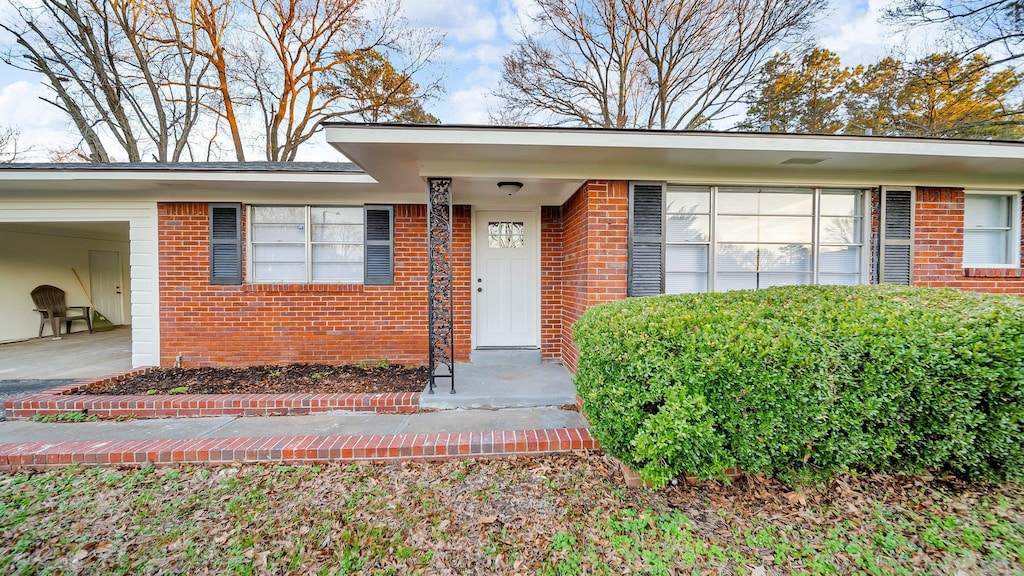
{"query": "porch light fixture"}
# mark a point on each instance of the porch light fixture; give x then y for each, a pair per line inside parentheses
(510, 188)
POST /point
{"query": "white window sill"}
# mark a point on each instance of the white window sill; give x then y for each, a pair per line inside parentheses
(302, 287)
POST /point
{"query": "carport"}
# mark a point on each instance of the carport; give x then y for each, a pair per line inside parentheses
(53, 253)
(111, 246)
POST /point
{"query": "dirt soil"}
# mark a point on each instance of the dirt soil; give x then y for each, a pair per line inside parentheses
(293, 378)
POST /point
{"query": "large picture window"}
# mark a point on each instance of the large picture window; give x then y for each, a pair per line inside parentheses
(729, 238)
(303, 244)
(991, 230)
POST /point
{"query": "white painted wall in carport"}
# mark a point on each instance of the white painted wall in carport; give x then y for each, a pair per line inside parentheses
(143, 258)
(42, 255)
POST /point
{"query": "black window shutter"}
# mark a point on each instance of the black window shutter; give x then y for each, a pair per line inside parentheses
(646, 240)
(225, 243)
(897, 265)
(380, 246)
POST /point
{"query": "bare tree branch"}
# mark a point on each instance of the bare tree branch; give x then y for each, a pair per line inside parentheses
(146, 78)
(10, 148)
(994, 27)
(112, 73)
(644, 63)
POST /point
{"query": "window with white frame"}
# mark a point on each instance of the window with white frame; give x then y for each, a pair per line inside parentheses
(303, 244)
(991, 229)
(728, 238)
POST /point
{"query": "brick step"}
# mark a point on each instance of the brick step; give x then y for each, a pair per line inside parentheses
(206, 405)
(295, 449)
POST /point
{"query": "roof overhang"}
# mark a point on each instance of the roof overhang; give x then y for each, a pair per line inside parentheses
(391, 163)
(182, 182)
(554, 162)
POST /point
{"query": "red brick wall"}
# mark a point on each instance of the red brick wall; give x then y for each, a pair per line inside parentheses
(269, 323)
(551, 282)
(939, 247)
(594, 253)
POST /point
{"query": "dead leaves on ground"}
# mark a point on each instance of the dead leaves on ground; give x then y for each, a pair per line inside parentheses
(561, 514)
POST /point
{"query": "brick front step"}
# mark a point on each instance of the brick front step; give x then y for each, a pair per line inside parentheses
(60, 400)
(295, 449)
(202, 405)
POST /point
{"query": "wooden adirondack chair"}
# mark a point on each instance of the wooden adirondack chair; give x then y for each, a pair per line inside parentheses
(52, 308)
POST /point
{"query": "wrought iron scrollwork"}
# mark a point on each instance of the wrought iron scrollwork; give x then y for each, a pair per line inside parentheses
(439, 281)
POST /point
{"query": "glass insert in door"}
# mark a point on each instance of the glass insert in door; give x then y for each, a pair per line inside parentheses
(505, 235)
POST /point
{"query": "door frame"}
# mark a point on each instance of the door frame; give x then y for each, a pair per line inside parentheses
(474, 269)
(120, 283)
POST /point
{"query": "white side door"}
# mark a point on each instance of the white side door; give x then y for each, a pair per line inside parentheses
(105, 283)
(506, 282)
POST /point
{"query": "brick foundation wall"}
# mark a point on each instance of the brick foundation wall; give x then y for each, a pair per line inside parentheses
(594, 254)
(939, 247)
(274, 324)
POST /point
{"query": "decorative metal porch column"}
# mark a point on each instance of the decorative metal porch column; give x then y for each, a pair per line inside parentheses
(439, 281)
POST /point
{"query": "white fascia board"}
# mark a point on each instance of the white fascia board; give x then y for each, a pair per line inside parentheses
(342, 136)
(183, 176)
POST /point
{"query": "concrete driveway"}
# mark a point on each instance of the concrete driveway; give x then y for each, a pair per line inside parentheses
(42, 363)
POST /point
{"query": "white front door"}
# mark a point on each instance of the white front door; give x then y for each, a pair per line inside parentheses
(505, 285)
(105, 283)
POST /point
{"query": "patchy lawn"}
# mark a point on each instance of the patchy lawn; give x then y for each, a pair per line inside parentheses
(549, 515)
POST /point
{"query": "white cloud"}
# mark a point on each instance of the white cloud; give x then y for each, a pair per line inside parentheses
(856, 32)
(464, 22)
(42, 126)
(516, 16)
(21, 100)
(489, 54)
(471, 106)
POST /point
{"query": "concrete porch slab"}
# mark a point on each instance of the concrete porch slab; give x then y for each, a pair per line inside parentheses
(503, 386)
(39, 364)
(75, 356)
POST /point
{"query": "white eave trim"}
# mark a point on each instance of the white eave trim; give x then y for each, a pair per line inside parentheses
(339, 136)
(185, 176)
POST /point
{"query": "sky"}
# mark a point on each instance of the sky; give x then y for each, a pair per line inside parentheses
(477, 34)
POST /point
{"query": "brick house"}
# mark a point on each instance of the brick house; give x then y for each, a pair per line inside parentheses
(508, 233)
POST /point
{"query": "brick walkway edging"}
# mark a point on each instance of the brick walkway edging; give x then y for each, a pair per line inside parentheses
(60, 400)
(294, 449)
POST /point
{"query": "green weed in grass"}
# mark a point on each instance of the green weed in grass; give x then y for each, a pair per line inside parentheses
(65, 417)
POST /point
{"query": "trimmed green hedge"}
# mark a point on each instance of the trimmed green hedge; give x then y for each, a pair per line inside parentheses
(807, 380)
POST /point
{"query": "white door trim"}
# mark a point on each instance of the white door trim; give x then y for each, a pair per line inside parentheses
(143, 258)
(474, 269)
(115, 312)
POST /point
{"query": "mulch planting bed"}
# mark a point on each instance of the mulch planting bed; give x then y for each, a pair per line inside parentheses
(290, 379)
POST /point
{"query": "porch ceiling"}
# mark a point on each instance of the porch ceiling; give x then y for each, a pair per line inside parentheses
(553, 162)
